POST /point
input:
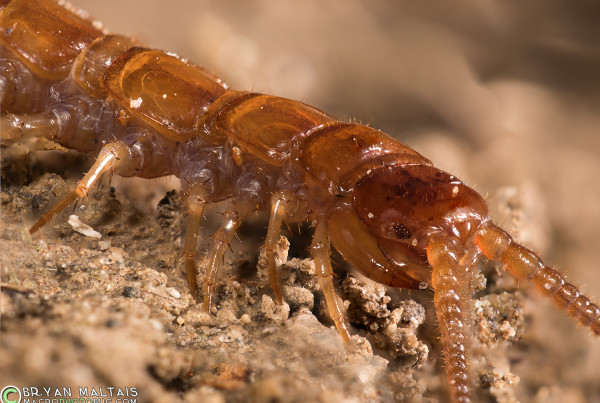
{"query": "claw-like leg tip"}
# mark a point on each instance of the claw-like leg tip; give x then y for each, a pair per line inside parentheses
(196, 295)
(53, 212)
(207, 303)
(277, 292)
(346, 337)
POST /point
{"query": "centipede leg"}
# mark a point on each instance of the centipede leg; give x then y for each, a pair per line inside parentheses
(279, 205)
(111, 156)
(522, 263)
(452, 291)
(195, 209)
(14, 127)
(221, 240)
(320, 251)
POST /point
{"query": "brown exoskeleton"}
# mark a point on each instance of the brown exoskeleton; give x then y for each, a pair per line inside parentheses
(385, 208)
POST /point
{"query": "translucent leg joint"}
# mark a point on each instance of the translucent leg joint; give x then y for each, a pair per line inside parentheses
(280, 205)
(110, 156)
(221, 240)
(14, 127)
(195, 210)
(320, 252)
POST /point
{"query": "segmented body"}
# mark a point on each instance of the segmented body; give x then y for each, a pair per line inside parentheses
(383, 206)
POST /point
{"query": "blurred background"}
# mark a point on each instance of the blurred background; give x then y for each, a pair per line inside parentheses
(503, 94)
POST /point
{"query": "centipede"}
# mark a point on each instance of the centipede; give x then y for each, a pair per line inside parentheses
(385, 208)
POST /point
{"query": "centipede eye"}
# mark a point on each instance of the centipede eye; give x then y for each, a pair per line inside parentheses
(401, 231)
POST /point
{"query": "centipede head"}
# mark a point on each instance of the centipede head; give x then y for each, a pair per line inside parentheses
(402, 205)
(393, 212)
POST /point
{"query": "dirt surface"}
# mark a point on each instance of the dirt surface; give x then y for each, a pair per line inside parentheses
(506, 98)
(116, 312)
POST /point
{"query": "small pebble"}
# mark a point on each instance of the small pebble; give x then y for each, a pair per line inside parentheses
(173, 292)
(104, 245)
(83, 228)
(130, 292)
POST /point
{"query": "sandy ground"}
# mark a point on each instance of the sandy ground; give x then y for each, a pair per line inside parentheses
(506, 98)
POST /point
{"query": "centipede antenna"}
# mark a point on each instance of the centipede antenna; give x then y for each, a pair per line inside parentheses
(523, 264)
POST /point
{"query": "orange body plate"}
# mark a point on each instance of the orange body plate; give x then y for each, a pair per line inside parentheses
(46, 36)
